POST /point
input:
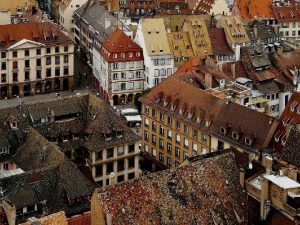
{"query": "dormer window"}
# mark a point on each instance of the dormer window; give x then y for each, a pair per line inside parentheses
(190, 115)
(115, 56)
(119, 134)
(235, 135)
(198, 120)
(223, 130)
(107, 137)
(248, 141)
(13, 125)
(180, 111)
(165, 103)
(207, 123)
(173, 107)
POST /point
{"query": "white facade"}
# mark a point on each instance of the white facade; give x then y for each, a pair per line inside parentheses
(290, 30)
(157, 67)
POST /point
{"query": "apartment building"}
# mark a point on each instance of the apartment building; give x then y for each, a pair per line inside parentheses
(35, 58)
(158, 59)
(118, 68)
(66, 9)
(235, 32)
(180, 120)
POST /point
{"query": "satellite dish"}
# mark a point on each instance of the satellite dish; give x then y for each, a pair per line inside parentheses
(250, 166)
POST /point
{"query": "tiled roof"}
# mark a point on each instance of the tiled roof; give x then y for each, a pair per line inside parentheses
(250, 9)
(289, 117)
(291, 151)
(58, 218)
(117, 43)
(238, 70)
(180, 44)
(12, 33)
(205, 192)
(218, 112)
(257, 30)
(287, 13)
(219, 42)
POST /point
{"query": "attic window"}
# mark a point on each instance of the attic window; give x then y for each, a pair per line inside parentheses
(248, 141)
(223, 130)
(181, 111)
(207, 123)
(190, 115)
(173, 107)
(235, 135)
(157, 32)
(149, 32)
(119, 134)
(107, 137)
(198, 120)
(13, 125)
(161, 50)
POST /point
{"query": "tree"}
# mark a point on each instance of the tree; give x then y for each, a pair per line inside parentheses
(137, 103)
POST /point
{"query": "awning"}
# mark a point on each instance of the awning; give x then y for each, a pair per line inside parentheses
(270, 45)
(277, 44)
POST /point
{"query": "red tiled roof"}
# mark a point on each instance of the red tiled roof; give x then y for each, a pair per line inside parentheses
(218, 111)
(250, 9)
(219, 42)
(286, 119)
(239, 69)
(118, 42)
(287, 13)
(12, 33)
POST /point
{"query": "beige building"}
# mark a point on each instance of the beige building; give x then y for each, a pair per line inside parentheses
(35, 59)
(15, 5)
(234, 30)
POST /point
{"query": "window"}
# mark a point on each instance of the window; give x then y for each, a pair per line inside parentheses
(15, 64)
(146, 122)
(38, 51)
(120, 178)
(220, 145)
(153, 112)
(121, 150)
(57, 71)
(3, 66)
(38, 62)
(48, 60)
(185, 156)
(109, 153)
(27, 75)
(169, 148)
(131, 148)
(99, 171)
(123, 55)
(131, 162)
(146, 148)
(138, 54)
(170, 121)
(130, 54)
(121, 165)
(38, 74)
(66, 70)
(161, 157)
(15, 54)
(186, 142)
(27, 64)
(57, 60)
(66, 48)
(204, 137)
(3, 78)
(3, 55)
(161, 143)
(161, 116)
(169, 134)
(177, 138)
(26, 52)
(195, 147)
(186, 129)
(48, 72)
(48, 50)
(131, 176)
(153, 139)
(195, 133)
(146, 136)
(161, 130)
(177, 152)
(115, 56)
(177, 124)
(15, 77)
(57, 49)
(99, 155)
(5, 166)
(66, 58)
(169, 161)
(153, 126)
(146, 109)
(109, 167)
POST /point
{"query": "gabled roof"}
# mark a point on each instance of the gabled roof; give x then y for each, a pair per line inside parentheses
(288, 13)
(219, 42)
(203, 193)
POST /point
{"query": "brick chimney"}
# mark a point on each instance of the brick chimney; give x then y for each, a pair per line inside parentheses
(242, 177)
(112, 178)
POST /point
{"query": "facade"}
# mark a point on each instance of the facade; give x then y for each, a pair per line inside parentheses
(15, 5)
(235, 32)
(170, 195)
(180, 120)
(66, 11)
(158, 60)
(118, 67)
(35, 59)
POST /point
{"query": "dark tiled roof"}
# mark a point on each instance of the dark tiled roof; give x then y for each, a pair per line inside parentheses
(204, 192)
(245, 121)
(268, 87)
(263, 31)
(219, 42)
(291, 152)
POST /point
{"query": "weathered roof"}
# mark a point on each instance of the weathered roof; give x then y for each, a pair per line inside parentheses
(207, 192)
(287, 13)
(58, 218)
(219, 42)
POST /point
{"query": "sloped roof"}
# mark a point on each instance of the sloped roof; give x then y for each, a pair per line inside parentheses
(251, 9)
(58, 218)
(219, 42)
(287, 13)
(207, 193)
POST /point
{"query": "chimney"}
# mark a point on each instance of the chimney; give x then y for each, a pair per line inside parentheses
(232, 66)
(267, 162)
(264, 199)
(10, 211)
(242, 177)
(295, 76)
(237, 52)
(107, 22)
(208, 80)
(255, 31)
(112, 178)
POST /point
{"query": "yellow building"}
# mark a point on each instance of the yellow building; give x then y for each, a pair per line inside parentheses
(180, 47)
(14, 5)
(234, 30)
(198, 33)
(181, 120)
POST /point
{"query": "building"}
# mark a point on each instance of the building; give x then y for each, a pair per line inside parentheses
(180, 120)
(221, 50)
(217, 7)
(36, 58)
(255, 9)
(198, 34)
(235, 32)
(15, 6)
(66, 11)
(176, 196)
(93, 22)
(158, 59)
(118, 68)
(58, 218)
